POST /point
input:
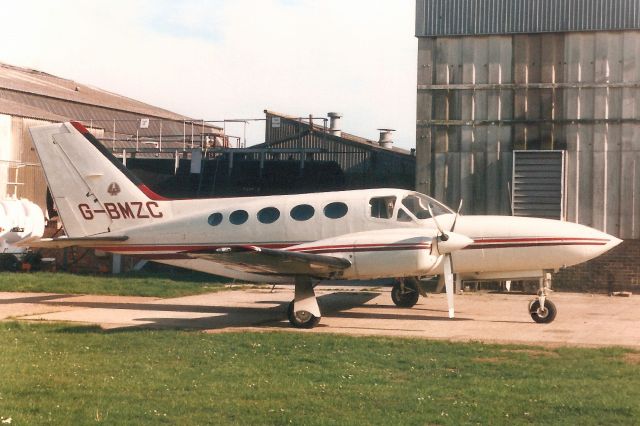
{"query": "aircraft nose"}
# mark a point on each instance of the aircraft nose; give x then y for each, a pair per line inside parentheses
(613, 242)
(596, 243)
(454, 242)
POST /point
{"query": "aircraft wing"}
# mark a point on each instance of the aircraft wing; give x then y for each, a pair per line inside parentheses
(63, 242)
(266, 261)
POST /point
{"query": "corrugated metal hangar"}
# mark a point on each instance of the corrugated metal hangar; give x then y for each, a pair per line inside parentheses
(533, 107)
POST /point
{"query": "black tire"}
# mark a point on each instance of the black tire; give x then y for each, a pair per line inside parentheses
(543, 317)
(9, 262)
(301, 319)
(34, 259)
(407, 298)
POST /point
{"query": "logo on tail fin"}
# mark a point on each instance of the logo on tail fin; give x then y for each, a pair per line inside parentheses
(113, 189)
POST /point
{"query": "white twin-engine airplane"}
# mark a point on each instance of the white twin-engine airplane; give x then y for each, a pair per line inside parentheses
(352, 235)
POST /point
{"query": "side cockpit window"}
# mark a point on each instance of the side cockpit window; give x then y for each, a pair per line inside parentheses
(403, 216)
(416, 206)
(382, 207)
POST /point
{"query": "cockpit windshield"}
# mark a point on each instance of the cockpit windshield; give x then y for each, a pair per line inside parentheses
(417, 203)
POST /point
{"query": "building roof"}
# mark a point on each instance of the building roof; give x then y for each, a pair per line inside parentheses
(39, 83)
(10, 107)
(436, 18)
(35, 94)
(344, 136)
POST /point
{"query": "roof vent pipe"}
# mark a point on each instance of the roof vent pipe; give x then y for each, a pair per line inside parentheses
(334, 123)
(386, 138)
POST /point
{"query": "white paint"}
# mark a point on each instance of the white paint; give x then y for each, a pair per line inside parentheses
(21, 222)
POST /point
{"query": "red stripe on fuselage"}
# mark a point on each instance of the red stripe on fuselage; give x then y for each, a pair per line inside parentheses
(535, 239)
(489, 243)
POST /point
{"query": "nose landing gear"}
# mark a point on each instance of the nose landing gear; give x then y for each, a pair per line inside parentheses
(543, 311)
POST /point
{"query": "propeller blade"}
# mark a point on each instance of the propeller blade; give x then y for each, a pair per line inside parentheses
(448, 282)
(443, 236)
(453, 226)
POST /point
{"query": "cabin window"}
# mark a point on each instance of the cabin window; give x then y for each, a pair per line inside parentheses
(268, 215)
(302, 212)
(335, 210)
(238, 217)
(382, 207)
(215, 219)
(416, 206)
(403, 216)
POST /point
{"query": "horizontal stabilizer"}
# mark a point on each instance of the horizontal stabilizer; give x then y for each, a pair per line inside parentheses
(274, 262)
(63, 242)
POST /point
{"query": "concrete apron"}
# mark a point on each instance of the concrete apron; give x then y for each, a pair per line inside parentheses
(583, 319)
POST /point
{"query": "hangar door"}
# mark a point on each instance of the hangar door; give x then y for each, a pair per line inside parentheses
(538, 185)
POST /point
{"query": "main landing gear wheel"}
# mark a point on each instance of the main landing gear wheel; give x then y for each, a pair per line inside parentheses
(543, 315)
(405, 293)
(9, 262)
(302, 319)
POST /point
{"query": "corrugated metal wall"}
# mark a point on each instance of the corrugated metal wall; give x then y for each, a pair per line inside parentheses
(482, 17)
(33, 185)
(479, 98)
(6, 153)
(363, 166)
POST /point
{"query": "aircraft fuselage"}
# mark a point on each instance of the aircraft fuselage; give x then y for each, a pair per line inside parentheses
(504, 246)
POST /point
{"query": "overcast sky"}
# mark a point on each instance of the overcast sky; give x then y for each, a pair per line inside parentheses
(217, 59)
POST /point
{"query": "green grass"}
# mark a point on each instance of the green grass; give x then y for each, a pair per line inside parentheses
(61, 374)
(131, 284)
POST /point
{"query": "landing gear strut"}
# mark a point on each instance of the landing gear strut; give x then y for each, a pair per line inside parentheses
(543, 311)
(303, 311)
(405, 292)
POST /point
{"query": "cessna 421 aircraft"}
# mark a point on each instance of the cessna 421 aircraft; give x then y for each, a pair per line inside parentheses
(353, 235)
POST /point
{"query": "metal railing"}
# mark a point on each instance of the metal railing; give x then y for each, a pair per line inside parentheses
(156, 135)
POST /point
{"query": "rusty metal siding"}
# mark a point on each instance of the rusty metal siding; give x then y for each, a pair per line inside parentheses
(484, 17)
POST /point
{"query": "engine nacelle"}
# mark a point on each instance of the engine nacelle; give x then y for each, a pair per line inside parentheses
(385, 253)
(21, 221)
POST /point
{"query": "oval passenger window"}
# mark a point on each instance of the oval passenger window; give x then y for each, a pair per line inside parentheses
(302, 212)
(335, 210)
(238, 217)
(268, 215)
(215, 219)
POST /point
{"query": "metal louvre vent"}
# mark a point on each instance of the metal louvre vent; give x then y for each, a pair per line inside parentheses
(538, 184)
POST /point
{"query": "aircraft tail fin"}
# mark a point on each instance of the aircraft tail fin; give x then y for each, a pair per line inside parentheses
(93, 191)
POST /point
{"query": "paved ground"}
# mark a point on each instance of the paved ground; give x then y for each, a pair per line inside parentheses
(583, 320)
